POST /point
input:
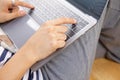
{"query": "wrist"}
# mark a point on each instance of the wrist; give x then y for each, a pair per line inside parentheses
(28, 55)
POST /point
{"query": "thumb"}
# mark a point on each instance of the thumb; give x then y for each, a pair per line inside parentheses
(14, 15)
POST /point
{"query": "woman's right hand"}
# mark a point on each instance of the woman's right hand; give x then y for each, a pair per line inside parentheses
(47, 39)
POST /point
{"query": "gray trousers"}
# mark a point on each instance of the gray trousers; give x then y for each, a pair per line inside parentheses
(75, 62)
(109, 45)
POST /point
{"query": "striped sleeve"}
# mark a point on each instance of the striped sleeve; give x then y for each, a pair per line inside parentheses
(5, 55)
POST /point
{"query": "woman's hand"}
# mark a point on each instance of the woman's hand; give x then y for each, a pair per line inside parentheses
(43, 43)
(47, 39)
(8, 11)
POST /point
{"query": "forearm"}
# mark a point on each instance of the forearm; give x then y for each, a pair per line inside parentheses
(17, 66)
(38, 47)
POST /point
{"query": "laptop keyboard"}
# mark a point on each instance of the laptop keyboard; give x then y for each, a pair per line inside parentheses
(52, 9)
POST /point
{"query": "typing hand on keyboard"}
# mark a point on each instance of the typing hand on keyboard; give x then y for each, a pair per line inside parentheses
(49, 37)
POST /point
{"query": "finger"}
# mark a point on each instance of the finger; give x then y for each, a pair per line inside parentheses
(61, 21)
(10, 16)
(61, 29)
(15, 9)
(60, 44)
(23, 4)
(61, 36)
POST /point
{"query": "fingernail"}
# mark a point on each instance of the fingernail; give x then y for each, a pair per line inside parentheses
(31, 6)
(75, 21)
(22, 13)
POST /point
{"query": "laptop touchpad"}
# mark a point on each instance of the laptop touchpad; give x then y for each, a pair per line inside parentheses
(20, 30)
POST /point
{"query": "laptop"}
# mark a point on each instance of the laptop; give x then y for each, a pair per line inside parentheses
(21, 29)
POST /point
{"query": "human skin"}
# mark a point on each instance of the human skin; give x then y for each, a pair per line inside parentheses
(6, 5)
(49, 37)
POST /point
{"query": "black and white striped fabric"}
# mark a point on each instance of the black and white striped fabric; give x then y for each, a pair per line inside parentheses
(5, 55)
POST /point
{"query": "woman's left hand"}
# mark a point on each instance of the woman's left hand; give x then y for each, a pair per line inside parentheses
(9, 11)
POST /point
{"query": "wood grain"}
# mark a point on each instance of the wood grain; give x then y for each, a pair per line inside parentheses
(104, 69)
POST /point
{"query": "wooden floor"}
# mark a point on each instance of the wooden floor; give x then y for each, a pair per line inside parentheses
(104, 69)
